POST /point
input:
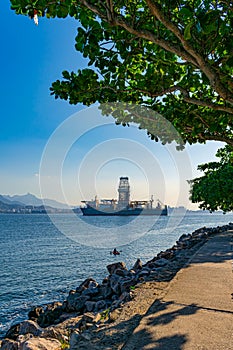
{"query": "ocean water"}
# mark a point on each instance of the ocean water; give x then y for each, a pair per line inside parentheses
(43, 257)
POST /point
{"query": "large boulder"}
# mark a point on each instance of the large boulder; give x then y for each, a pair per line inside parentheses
(168, 254)
(115, 283)
(51, 314)
(91, 291)
(100, 305)
(115, 266)
(30, 327)
(87, 283)
(74, 340)
(76, 302)
(161, 262)
(13, 332)
(127, 283)
(55, 333)
(81, 341)
(121, 272)
(106, 290)
(137, 265)
(90, 305)
(35, 313)
(125, 296)
(40, 344)
(8, 344)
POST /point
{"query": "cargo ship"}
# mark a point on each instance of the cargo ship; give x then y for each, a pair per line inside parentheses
(123, 206)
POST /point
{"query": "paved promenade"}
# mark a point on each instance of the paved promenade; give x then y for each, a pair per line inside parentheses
(197, 311)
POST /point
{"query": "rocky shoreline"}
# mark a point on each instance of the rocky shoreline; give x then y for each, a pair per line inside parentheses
(103, 315)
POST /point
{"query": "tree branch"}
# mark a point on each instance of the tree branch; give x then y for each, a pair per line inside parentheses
(187, 99)
(188, 54)
(118, 20)
(208, 104)
(201, 62)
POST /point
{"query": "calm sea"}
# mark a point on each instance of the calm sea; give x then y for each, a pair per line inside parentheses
(41, 263)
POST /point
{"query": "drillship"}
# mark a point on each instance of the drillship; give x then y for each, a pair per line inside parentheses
(124, 206)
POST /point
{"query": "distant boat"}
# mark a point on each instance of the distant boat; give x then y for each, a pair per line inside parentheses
(124, 206)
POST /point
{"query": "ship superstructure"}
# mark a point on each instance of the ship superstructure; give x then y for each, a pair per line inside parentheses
(123, 206)
(123, 193)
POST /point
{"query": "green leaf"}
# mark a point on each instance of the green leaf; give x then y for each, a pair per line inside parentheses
(62, 11)
(186, 13)
(66, 74)
(187, 31)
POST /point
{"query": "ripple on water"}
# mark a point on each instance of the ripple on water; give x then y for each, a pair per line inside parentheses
(40, 265)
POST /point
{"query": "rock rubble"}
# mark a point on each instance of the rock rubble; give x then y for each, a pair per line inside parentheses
(91, 305)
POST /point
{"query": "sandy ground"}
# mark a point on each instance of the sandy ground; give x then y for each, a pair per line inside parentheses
(196, 312)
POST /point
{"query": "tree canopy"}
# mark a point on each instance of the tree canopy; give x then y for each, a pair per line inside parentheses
(171, 57)
(175, 57)
(214, 190)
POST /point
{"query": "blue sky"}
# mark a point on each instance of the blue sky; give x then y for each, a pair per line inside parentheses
(31, 59)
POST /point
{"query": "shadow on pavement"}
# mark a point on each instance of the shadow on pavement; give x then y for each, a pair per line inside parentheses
(174, 342)
(143, 338)
(181, 310)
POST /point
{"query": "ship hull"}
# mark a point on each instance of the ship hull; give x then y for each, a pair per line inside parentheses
(124, 212)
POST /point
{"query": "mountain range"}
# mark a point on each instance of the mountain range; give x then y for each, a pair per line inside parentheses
(30, 199)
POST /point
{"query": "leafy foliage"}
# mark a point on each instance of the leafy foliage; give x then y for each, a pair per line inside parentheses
(174, 57)
(214, 190)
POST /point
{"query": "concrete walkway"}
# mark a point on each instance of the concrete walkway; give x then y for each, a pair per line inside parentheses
(197, 311)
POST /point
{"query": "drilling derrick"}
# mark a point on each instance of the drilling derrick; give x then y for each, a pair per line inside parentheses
(124, 192)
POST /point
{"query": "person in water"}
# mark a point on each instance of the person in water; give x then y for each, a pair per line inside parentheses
(115, 251)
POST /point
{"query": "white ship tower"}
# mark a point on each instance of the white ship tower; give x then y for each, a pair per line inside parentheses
(123, 193)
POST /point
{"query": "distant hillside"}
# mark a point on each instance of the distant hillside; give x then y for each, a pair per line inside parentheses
(5, 200)
(6, 206)
(26, 199)
(30, 199)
